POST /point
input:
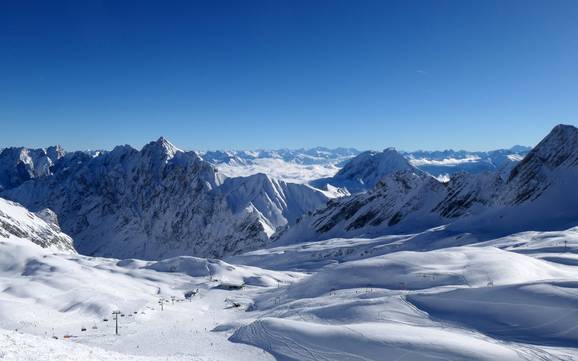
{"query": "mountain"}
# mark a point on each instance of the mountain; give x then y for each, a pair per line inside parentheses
(443, 164)
(17, 165)
(318, 155)
(161, 202)
(403, 195)
(538, 193)
(320, 164)
(278, 203)
(554, 161)
(365, 170)
(292, 165)
(16, 222)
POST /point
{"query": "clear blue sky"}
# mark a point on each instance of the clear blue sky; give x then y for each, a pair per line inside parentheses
(266, 74)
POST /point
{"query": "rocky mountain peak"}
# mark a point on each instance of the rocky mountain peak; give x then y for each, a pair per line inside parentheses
(161, 148)
(558, 148)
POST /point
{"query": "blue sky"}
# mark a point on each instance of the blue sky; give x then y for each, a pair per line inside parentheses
(268, 74)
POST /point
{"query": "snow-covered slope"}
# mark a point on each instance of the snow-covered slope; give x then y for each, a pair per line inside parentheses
(365, 300)
(17, 346)
(71, 297)
(278, 203)
(537, 194)
(161, 202)
(511, 298)
(17, 223)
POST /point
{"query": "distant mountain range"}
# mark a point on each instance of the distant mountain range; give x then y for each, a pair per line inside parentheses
(538, 193)
(445, 163)
(160, 201)
(303, 165)
(318, 155)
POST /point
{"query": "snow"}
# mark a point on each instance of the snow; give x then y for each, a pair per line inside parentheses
(16, 222)
(460, 303)
(278, 203)
(16, 346)
(484, 267)
(438, 163)
(364, 171)
(18, 165)
(359, 299)
(295, 340)
(307, 165)
(536, 313)
(537, 194)
(49, 294)
(444, 162)
(280, 169)
(162, 202)
(290, 165)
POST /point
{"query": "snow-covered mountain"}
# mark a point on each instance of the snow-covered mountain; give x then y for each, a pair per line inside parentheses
(443, 164)
(292, 165)
(320, 164)
(365, 170)
(17, 223)
(538, 193)
(161, 202)
(553, 162)
(318, 155)
(278, 203)
(17, 165)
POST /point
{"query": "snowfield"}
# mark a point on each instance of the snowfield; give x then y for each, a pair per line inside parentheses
(15, 346)
(504, 299)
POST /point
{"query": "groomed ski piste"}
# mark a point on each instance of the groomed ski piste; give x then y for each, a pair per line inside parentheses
(512, 298)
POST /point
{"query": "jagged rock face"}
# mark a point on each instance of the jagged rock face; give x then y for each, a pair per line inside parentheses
(556, 153)
(399, 197)
(378, 207)
(161, 202)
(467, 193)
(17, 222)
(541, 188)
(148, 204)
(17, 165)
